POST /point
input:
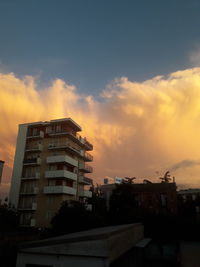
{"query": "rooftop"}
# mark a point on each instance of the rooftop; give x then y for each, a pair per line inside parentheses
(68, 121)
(103, 242)
(145, 187)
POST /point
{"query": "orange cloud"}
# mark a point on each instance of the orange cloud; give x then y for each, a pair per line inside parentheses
(137, 128)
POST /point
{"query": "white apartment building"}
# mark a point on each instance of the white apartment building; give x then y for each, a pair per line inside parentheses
(49, 168)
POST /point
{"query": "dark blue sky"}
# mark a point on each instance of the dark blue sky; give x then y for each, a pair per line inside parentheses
(90, 42)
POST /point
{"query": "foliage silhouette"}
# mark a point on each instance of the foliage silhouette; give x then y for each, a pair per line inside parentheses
(8, 218)
(74, 217)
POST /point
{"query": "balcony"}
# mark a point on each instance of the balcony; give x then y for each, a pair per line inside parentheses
(39, 147)
(34, 176)
(86, 168)
(29, 191)
(85, 193)
(60, 189)
(27, 222)
(33, 161)
(86, 156)
(76, 138)
(39, 134)
(32, 206)
(85, 180)
(61, 174)
(88, 145)
(62, 158)
(64, 146)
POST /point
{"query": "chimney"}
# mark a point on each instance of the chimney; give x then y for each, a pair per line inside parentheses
(1, 168)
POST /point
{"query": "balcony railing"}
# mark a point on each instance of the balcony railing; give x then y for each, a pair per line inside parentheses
(85, 193)
(31, 176)
(59, 189)
(28, 222)
(33, 161)
(39, 134)
(61, 174)
(32, 206)
(85, 180)
(39, 147)
(86, 168)
(84, 141)
(64, 146)
(76, 137)
(29, 191)
(85, 155)
(62, 158)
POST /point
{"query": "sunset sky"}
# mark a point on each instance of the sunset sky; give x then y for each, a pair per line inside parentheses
(127, 71)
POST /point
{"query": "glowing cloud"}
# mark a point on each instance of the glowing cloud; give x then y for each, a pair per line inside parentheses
(137, 129)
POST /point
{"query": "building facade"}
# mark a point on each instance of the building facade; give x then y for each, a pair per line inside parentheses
(189, 202)
(154, 197)
(49, 168)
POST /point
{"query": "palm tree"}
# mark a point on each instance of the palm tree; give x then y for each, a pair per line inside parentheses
(166, 178)
(129, 180)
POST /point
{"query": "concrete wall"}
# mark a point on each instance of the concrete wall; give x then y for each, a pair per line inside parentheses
(18, 165)
(97, 247)
(61, 261)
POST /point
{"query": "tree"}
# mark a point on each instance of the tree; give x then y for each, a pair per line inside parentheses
(129, 180)
(123, 204)
(8, 218)
(166, 178)
(73, 217)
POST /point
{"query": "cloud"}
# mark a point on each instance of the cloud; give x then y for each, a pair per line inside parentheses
(194, 57)
(184, 164)
(137, 129)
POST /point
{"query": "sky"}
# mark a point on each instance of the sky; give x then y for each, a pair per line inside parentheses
(126, 71)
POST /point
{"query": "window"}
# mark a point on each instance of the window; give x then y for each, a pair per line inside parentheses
(49, 129)
(52, 167)
(51, 183)
(59, 182)
(58, 128)
(50, 200)
(35, 131)
(163, 200)
(49, 215)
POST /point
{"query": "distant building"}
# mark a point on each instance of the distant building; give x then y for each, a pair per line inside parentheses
(189, 194)
(154, 196)
(49, 168)
(115, 180)
(189, 201)
(1, 169)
